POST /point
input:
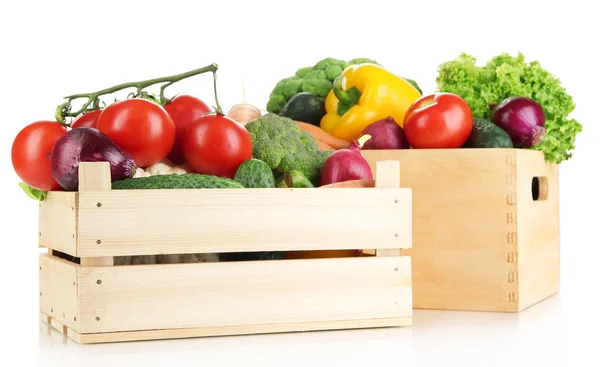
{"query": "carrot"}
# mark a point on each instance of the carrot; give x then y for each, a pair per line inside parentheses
(323, 136)
(350, 184)
(324, 146)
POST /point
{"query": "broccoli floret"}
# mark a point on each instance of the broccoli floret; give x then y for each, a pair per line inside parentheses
(317, 79)
(318, 87)
(300, 73)
(308, 163)
(362, 60)
(279, 142)
(285, 89)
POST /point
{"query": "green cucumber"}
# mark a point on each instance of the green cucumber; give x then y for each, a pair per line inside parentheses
(174, 181)
(294, 179)
(255, 173)
(305, 107)
(486, 134)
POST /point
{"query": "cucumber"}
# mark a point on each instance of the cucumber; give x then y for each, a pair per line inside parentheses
(294, 179)
(255, 173)
(486, 134)
(174, 181)
(305, 107)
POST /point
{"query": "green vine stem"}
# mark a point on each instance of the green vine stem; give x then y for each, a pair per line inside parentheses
(93, 102)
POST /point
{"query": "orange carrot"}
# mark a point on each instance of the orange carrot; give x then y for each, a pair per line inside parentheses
(350, 184)
(323, 136)
(324, 146)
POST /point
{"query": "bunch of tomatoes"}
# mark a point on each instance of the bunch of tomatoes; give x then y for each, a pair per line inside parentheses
(185, 130)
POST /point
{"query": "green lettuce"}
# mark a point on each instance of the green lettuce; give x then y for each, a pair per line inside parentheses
(506, 76)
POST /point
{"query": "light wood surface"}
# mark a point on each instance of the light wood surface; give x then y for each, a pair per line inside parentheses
(128, 336)
(244, 293)
(94, 177)
(538, 231)
(145, 222)
(59, 297)
(472, 217)
(57, 222)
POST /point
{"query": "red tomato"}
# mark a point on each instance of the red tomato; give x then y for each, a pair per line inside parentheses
(216, 145)
(88, 119)
(31, 154)
(438, 121)
(184, 110)
(141, 128)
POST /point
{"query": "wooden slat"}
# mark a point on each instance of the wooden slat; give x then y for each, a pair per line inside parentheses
(95, 177)
(215, 295)
(146, 222)
(235, 330)
(58, 290)
(387, 175)
(57, 222)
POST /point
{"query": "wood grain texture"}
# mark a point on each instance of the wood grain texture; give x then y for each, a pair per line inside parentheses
(387, 175)
(145, 222)
(59, 297)
(128, 336)
(94, 176)
(468, 230)
(57, 222)
(211, 295)
(538, 231)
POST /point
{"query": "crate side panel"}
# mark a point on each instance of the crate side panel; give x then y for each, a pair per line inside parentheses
(464, 215)
(246, 293)
(58, 290)
(145, 222)
(539, 230)
(57, 222)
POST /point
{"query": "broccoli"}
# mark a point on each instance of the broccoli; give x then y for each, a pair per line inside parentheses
(317, 79)
(279, 142)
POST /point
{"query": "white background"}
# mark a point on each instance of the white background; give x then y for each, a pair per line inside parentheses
(55, 48)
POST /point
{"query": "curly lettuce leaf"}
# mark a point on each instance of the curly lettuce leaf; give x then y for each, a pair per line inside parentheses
(506, 76)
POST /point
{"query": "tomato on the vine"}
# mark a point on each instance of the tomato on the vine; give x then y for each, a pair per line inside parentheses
(184, 110)
(141, 128)
(88, 119)
(31, 154)
(438, 121)
(216, 145)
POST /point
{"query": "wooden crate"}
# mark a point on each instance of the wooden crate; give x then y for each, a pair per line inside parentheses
(86, 296)
(482, 239)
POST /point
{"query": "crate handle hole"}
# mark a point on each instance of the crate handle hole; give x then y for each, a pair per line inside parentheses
(539, 188)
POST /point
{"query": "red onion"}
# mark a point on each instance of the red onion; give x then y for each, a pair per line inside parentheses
(385, 134)
(86, 144)
(347, 164)
(523, 119)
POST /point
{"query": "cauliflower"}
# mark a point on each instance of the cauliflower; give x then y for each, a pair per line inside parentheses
(164, 167)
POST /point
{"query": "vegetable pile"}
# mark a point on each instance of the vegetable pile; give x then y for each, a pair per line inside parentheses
(505, 76)
(317, 122)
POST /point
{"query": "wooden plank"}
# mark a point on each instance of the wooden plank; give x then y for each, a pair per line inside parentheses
(58, 290)
(214, 295)
(235, 330)
(94, 177)
(387, 175)
(462, 214)
(57, 222)
(538, 231)
(146, 222)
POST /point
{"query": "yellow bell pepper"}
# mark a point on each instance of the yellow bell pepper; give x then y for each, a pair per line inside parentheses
(362, 95)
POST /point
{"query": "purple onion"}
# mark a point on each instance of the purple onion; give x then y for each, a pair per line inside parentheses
(523, 119)
(385, 134)
(86, 144)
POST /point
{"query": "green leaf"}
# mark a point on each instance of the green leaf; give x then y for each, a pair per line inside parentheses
(35, 194)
